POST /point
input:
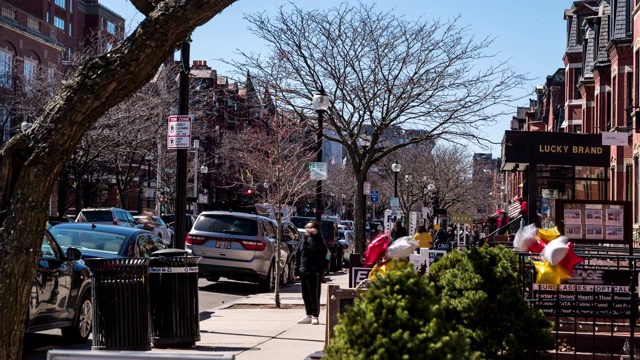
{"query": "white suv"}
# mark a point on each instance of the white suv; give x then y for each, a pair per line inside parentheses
(108, 216)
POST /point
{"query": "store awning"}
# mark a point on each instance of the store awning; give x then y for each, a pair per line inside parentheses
(520, 148)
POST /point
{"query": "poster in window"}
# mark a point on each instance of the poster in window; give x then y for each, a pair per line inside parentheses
(614, 233)
(614, 217)
(572, 216)
(594, 232)
(593, 216)
(573, 231)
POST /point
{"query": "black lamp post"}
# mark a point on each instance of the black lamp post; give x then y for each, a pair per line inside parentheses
(396, 169)
(321, 103)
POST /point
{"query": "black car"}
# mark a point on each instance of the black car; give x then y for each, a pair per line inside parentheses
(61, 293)
(107, 241)
(329, 229)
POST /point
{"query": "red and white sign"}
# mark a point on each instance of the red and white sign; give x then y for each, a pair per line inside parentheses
(179, 132)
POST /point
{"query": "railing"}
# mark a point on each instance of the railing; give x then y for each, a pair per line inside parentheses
(492, 235)
(9, 11)
(594, 313)
(33, 23)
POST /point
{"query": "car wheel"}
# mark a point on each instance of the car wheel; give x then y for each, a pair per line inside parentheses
(268, 283)
(79, 332)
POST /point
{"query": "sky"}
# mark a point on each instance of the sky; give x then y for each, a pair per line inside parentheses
(530, 36)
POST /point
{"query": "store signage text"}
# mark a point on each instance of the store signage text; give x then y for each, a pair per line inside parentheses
(566, 149)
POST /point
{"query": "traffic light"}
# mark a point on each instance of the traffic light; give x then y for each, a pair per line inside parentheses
(249, 192)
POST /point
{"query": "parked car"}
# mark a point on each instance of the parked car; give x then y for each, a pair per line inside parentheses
(61, 293)
(237, 246)
(111, 216)
(291, 237)
(347, 240)
(156, 225)
(107, 241)
(170, 219)
(348, 223)
(329, 228)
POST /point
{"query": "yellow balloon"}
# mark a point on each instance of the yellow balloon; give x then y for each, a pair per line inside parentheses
(548, 274)
(547, 235)
(381, 269)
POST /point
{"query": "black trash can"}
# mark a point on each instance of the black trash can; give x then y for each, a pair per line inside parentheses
(173, 284)
(120, 295)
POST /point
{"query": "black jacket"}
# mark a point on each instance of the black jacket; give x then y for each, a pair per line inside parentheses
(311, 255)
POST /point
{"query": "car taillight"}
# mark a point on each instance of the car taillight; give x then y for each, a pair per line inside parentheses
(253, 245)
(195, 239)
(345, 246)
(115, 222)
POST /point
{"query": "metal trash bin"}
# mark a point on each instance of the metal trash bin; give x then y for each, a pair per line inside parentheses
(173, 283)
(120, 296)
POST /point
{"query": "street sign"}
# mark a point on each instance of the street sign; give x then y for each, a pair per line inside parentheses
(367, 188)
(374, 196)
(395, 202)
(179, 132)
(461, 218)
(318, 171)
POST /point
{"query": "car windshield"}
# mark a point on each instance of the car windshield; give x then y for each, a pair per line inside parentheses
(299, 222)
(89, 239)
(159, 221)
(97, 216)
(227, 225)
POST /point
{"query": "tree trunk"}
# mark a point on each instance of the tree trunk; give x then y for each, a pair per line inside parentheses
(279, 240)
(360, 208)
(30, 161)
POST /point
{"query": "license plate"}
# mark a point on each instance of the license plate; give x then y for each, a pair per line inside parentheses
(223, 244)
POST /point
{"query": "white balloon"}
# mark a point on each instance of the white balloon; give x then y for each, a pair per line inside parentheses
(402, 248)
(525, 237)
(556, 250)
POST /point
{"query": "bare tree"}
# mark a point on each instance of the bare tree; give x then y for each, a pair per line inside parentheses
(277, 154)
(385, 75)
(31, 161)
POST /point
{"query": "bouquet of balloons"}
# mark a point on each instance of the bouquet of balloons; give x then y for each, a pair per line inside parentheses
(557, 258)
(381, 250)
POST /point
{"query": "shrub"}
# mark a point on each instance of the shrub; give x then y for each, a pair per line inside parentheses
(486, 303)
(399, 317)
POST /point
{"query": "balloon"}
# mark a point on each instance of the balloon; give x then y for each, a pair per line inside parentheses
(548, 274)
(402, 248)
(377, 249)
(547, 235)
(381, 269)
(537, 246)
(570, 260)
(555, 250)
(525, 237)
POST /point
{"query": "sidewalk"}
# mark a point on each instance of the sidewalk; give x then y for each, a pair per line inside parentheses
(252, 328)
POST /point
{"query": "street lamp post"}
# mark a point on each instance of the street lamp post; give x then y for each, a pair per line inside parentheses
(396, 169)
(203, 170)
(321, 103)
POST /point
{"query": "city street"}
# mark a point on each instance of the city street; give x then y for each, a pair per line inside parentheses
(211, 296)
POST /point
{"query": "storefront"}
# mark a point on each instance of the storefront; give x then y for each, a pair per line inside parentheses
(556, 166)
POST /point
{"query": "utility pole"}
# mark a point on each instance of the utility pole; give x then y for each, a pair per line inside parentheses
(181, 166)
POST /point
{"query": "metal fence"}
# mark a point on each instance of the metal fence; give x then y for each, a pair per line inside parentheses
(594, 313)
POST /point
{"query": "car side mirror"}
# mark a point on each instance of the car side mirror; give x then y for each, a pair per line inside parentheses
(73, 254)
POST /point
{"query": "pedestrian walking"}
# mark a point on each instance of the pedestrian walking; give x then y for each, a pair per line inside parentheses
(423, 238)
(398, 230)
(310, 259)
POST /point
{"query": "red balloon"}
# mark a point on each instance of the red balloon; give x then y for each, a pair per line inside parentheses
(570, 260)
(377, 249)
(537, 246)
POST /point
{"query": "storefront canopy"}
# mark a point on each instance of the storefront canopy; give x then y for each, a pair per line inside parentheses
(521, 148)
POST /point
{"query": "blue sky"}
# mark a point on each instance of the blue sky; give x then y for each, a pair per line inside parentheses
(531, 36)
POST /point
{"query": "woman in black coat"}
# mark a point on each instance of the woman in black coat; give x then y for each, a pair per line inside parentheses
(310, 259)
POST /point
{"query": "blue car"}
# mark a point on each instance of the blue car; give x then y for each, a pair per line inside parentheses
(107, 241)
(61, 293)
